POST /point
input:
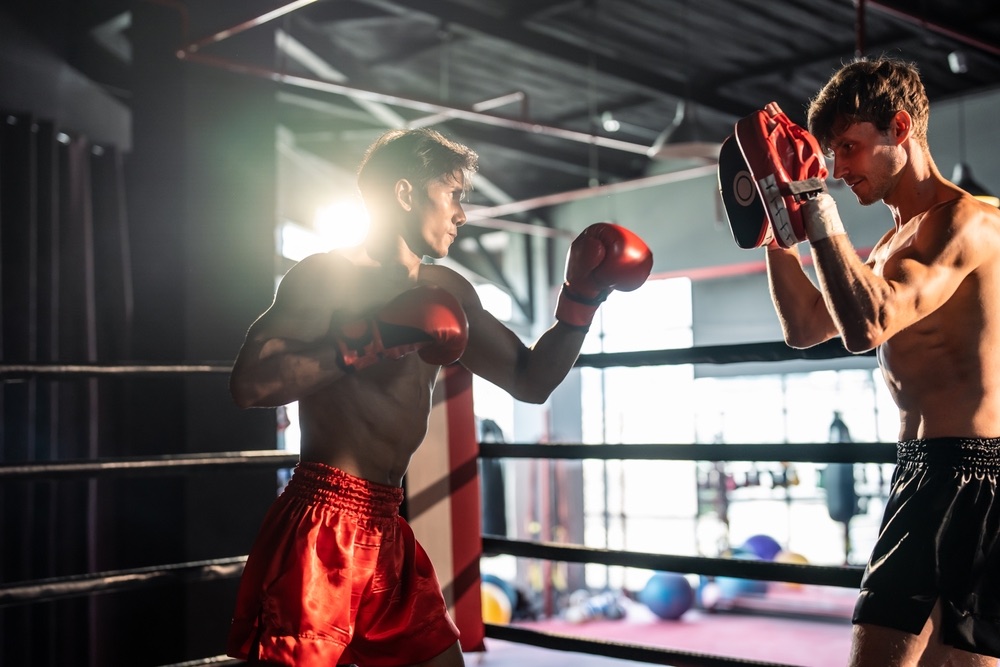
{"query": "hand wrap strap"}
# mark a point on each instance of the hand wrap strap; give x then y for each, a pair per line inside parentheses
(822, 220)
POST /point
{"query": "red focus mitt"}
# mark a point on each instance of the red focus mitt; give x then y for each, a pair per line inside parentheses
(787, 166)
(747, 218)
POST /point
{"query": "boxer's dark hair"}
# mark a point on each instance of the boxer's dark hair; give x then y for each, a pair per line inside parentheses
(418, 155)
(869, 90)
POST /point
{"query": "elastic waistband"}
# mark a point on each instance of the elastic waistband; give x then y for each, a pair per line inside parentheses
(322, 484)
(981, 454)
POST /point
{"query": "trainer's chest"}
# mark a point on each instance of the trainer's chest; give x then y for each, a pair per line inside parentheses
(888, 256)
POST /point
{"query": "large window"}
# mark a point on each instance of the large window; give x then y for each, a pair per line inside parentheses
(669, 506)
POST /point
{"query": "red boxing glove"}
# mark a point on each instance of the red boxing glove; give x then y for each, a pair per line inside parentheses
(787, 167)
(426, 319)
(604, 257)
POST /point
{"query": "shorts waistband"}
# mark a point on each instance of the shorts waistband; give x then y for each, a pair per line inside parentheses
(981, 454)
(326, 485)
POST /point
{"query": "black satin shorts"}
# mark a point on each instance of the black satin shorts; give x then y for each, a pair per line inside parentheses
(940, 538)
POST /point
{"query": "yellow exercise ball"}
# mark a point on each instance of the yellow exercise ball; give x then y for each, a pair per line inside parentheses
(790, 557)
(496, 604)
(793, 558)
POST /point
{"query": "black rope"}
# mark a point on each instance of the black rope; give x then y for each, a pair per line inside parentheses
(705, 354)
(840, 452)
(65, 370)
(44, 590)
(214, 660)
(561, 642)
(58, 588)
(157, 465)
(821, 575)
(846, 452)
(717, 354)
(620, 650)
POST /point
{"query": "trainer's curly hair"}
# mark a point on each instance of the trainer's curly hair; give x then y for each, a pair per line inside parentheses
(418, 155)
(870, 90)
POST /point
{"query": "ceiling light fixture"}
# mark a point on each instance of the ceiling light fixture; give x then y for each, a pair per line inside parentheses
(609, 122)
(682, 139)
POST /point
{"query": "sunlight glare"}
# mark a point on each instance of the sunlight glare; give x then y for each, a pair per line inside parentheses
(342, 224)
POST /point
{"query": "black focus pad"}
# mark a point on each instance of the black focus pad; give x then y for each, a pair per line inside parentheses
(744, 209)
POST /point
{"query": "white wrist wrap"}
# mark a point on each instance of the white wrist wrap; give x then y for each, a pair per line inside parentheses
(821, 218)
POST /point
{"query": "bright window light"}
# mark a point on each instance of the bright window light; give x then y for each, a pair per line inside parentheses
(496, 301)
(343, 224)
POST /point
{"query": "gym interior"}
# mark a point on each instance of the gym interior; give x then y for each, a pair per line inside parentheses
(164, 162)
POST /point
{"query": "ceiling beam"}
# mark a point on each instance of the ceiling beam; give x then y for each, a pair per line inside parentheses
(525, 36)
(488, 212)
(248, 24)
(917, 19)
(389, 99)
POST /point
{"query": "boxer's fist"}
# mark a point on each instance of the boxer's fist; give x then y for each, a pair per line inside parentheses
(426, 319)
(604, 257)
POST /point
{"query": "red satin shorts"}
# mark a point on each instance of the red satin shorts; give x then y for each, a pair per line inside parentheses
(336, 576)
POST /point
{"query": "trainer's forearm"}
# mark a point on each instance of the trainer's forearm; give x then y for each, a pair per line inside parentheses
(855, 296)
(799, 305)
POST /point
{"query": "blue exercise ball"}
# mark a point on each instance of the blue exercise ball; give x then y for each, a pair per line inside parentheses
(764, 547)
(731, 588)
(668, 595)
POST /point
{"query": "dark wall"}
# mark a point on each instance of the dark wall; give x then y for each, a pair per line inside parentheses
(36, 78)
(201, 201)
(194, 149)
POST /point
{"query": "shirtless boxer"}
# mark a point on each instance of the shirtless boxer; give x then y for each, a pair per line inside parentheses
(927, 300)
(335, 575)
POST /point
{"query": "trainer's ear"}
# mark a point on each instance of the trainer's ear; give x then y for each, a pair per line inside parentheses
(404, 194)
(901, 126)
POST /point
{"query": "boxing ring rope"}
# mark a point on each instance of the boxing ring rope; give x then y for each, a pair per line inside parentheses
(704, 354)
(561, 642)
(9, 372)
(854, 452)
(620, 650)
(71, 586)
(45, 590)
(840, 452)
(60, 588)
(55, 588)
(822, 575)
(714, 354)
(156, 465)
